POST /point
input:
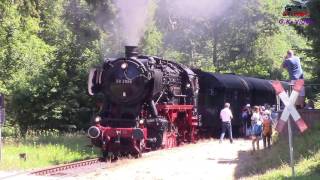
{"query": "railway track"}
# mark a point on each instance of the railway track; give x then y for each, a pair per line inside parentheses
(59, 168)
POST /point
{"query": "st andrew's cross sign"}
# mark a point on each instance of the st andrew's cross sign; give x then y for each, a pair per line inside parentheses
(289, 103)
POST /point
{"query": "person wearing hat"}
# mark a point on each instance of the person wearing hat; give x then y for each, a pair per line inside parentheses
(245, 119)
(226, 117)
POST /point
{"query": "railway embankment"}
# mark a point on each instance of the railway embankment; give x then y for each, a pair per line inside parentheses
(274, 163)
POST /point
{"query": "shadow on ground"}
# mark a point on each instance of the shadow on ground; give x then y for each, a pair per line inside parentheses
(224, 161)
(246, 164)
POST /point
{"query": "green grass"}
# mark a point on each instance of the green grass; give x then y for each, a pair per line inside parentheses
(273, 163)
(45, 149)
(308, 168)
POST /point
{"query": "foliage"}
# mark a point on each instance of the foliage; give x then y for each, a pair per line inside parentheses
(245, 39)
(45, 62)
(18, 37)
(63, 148)
(151, 43)
(311, 32)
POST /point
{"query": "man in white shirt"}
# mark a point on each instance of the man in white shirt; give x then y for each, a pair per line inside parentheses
(226, 116)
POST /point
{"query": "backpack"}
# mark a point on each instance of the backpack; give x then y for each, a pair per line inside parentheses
(244, 115)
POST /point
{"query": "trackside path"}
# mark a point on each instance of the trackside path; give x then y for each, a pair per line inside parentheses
(205, 160)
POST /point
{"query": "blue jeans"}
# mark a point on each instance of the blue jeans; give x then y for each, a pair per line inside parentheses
(226, 126)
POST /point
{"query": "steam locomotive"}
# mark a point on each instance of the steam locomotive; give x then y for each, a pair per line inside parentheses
(151, 103)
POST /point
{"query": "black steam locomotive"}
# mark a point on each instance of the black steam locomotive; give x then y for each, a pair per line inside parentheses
(151, 103)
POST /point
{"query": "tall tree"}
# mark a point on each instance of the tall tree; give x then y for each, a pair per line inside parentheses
(57, 95)
(312, 32)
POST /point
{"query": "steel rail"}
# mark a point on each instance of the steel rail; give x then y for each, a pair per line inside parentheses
(64, 167)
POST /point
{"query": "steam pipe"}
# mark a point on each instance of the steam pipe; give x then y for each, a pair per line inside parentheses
(159, 97)
(153, 108)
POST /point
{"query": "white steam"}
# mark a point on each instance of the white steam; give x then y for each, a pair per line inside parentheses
(199, 8)
(133, 15)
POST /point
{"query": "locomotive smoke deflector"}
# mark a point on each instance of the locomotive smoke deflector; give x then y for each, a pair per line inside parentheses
(131, 51)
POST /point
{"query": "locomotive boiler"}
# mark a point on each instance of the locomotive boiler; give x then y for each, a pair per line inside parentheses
(148, 103)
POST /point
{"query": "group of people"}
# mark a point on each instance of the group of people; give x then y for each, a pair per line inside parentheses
(257, 124)
(257, 121)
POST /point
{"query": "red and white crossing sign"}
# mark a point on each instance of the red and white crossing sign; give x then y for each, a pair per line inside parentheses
(289, 103)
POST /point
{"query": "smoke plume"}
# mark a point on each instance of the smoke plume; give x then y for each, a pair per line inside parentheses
(199, 8)
(132, 15)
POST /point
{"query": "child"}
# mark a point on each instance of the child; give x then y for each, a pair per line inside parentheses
(267, 129)
(256, 127)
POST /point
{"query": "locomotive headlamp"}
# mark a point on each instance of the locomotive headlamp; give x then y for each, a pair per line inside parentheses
(141, 121)
(97, 119)
(188, 85)
(124, 66)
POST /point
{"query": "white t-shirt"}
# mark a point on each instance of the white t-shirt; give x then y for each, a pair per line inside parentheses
(226, 115)
(256, 118)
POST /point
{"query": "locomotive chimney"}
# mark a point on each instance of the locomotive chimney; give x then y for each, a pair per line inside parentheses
(131, 51)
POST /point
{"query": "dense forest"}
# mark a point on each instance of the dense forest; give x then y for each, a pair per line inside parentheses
(48, 46)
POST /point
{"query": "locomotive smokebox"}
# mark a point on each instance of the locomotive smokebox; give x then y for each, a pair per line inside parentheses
(131, 51)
